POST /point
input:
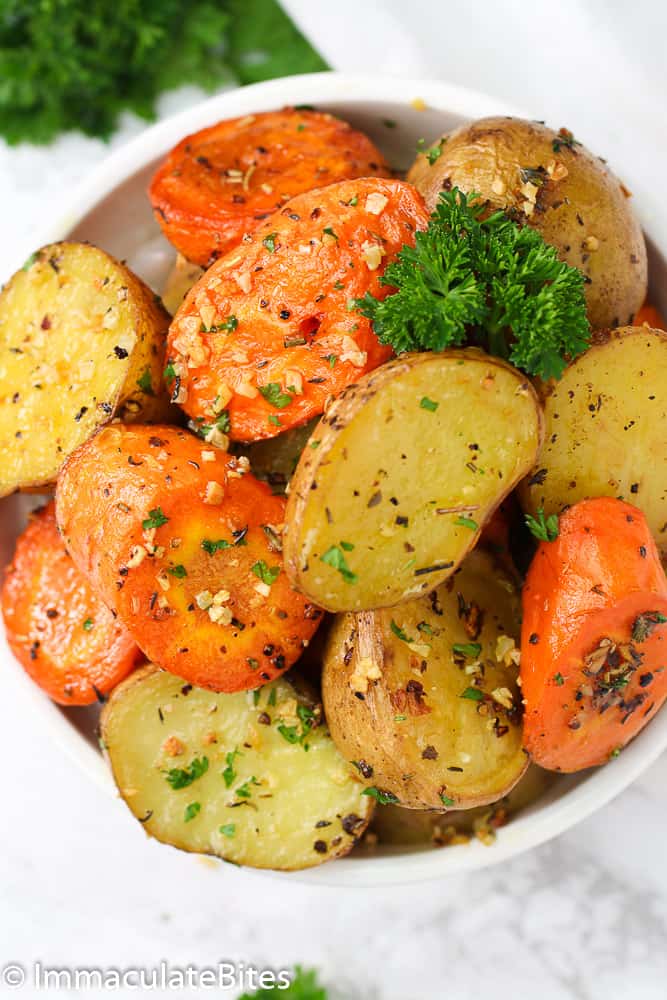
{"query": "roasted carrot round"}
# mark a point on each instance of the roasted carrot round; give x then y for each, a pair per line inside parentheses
(185, 544)
(223, 181)
(57, 627)
(650, 316)
(594, 636)
(270, 332)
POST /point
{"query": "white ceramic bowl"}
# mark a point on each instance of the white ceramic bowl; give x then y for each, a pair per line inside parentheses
(111, 209)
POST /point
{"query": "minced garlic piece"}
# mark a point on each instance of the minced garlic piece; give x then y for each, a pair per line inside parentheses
(262, 588)
(376, 203)
(137, 555)
(221, 597)
(214, 493)
(506, 651)
(244, 281)
(371, 254)
(352, 353)
(503, 696)
(163, 580)
(246, 388)
(204, 599)
(294, 381)
(220, 615)
(209, 456)
(420, 649)
(215, 437)
(207, 315)
(364, 671)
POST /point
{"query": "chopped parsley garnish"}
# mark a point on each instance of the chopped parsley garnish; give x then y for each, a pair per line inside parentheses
(191, 811)
(266, 574)
(88, 624)
(156, 518)
(291, 733)
(335, 557)
(181, 777)
(643, 625)
(485, 279)
(228, 829)
(435, 152)
(428, 404)
(564, 139)
(219, 544)
(271, 700)
(467, 522)
(243, 791)
(229, 325)
(545, 529)
(169, 372)
(275, 420)
(328, 231)
(473, 694)
(145, 383)
(274, 395)
(399, 633)
(338, 285)
(446, 800)
(331, 358)
(221, 423)
(270, 242)
(178, 571)
(471, 650)
(229, 774)
(384, 798)
(559, 679)
(30, 261)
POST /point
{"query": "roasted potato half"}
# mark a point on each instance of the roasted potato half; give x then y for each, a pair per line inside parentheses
(253, 778)
(604, 424)
(400, 476)
(396, 826)
(424, 697)
(81, 341)
(551, 182)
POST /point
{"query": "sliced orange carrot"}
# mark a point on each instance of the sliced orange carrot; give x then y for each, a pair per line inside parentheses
(650, 316)
(594, 636)
(270, 332)
(57, 627)
(185, 545)
(223, 181)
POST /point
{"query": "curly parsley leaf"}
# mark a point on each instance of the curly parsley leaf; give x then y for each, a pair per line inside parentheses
(471, 279)
(181, 777)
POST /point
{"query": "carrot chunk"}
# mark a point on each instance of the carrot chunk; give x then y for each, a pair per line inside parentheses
(185, 545)
(223, 181)
(594, 636)
(648, 315)
(270, 333)
(59, 630)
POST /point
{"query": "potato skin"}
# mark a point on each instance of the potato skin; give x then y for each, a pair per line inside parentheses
(220, 183)
(57, 627)
(398, 709)
(575, 202)
(402, 473)
(302, 807)
(81, 341)
(604, 429)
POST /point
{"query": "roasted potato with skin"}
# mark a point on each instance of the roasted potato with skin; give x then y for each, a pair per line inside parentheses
(401, 475)
(253, 778)
(424, 697)
(604, 429)
(395, 825)
(81, 341)
(549, 181)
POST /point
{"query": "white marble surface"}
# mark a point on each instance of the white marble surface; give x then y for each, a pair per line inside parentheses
(583, 917)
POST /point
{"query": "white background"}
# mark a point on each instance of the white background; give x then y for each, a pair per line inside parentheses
(584, 917)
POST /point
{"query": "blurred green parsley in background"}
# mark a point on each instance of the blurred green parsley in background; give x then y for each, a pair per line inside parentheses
(76, 64)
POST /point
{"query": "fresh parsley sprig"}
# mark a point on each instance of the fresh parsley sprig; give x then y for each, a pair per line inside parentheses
(471, 279)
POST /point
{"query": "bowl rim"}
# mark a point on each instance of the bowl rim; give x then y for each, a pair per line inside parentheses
(531, 827)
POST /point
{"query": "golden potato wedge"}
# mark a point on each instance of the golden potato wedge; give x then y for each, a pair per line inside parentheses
(395, 825)
(180, 280)
(253, 778)
(551, 182)
(401, 474)
(605, 429)
(81, 341)
(424, 697)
